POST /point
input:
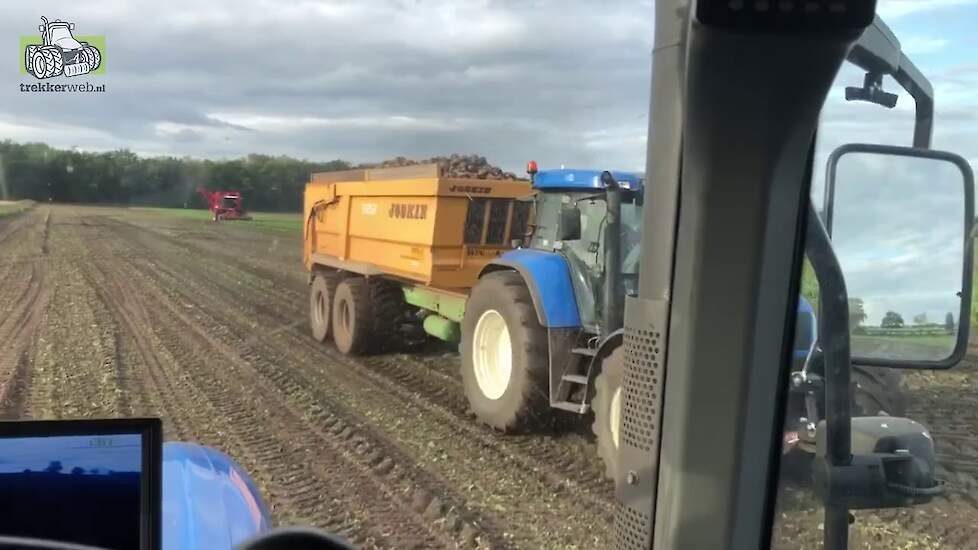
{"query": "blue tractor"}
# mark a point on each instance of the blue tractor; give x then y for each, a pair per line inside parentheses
(543, 326)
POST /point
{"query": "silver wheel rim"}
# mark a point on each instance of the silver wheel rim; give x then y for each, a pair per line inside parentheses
(614, 416)
(492, 354)
(320, 309)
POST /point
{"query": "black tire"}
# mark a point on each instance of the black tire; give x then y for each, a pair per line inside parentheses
(320, 303)
(524, 404)
(388, 310)
(28, 58)
(606, 385)
(38, 64)
(54, 61)
(352, 324)
(877, 391)
(93, 56)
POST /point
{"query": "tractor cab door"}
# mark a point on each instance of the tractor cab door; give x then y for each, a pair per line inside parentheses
(583, 252)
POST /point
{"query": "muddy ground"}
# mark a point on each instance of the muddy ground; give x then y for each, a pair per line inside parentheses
(117, 312)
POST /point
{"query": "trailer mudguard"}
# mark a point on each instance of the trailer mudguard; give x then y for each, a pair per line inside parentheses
(208, 500)
(548, 278)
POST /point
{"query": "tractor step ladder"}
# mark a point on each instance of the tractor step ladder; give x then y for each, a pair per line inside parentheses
(578, 379)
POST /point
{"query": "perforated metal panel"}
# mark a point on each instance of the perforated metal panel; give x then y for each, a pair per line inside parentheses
(631, 528)
(641, 401)
(641, 387)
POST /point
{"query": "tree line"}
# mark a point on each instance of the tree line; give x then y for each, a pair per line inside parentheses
(42, 173)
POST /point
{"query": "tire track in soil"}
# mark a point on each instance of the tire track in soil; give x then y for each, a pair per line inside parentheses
(28, 299)
(412, 526)
(573, 456)
(510, 458)
(568, 460)
(75, 371)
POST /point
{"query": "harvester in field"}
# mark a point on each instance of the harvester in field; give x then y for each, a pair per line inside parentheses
(224, 205)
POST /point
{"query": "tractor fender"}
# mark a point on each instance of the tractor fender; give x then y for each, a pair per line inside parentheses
(609, 344)
(548, 277)
(806, 329)
(209, 501)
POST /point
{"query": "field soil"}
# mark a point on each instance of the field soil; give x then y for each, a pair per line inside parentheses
(118, 312)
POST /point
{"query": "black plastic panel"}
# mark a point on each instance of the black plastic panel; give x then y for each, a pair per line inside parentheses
(779, 15)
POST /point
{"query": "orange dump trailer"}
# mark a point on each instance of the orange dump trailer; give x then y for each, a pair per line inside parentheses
(392, 242)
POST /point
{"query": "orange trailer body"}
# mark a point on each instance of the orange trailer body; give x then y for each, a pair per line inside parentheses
(410, 223)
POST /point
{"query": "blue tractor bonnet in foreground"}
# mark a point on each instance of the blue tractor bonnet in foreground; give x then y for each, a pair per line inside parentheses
(209, 501)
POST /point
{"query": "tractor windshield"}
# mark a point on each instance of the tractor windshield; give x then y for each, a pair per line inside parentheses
(60, 34)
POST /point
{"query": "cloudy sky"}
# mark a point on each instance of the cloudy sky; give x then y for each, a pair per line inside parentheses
(562, 82)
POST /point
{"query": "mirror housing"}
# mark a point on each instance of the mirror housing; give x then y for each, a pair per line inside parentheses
(898, 256)
(892, 465)
(569, 225)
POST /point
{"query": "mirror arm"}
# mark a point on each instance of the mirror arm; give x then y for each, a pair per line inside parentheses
(833, 330)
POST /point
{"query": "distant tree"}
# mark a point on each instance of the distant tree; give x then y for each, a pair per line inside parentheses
(949, 322)
(54, 467)
(77, 470)
(857, 312)
(920, 319)
(892, 319)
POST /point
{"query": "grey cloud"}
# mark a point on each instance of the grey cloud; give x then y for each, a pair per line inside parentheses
(528, 79)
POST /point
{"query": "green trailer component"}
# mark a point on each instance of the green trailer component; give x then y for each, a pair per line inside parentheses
(442, 328)
(448, 305)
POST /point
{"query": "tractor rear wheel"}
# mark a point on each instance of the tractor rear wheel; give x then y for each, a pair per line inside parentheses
(505, 364)
(93, 57)
(877, 392)
(38, 64)
(351, 317)
(320, 300)
(29, 57)
(54, 63)
(607, 410)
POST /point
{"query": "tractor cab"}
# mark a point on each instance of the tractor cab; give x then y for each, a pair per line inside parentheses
(572, 219)
(231, 201)
(59, 34)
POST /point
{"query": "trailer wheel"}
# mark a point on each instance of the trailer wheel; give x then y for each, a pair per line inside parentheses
(387, 312)
(351, 318)
(505, 370)
(607, 410)
(320, 299)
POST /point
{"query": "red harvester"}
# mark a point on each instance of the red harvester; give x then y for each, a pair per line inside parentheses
(224, 205)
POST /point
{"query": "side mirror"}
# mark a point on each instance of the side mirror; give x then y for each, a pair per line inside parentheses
(71, 26)
(900, 220)
(569, 225)
(40, 28)
(892, 465)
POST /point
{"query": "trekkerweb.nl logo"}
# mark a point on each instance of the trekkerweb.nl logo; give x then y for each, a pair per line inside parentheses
(57, 52)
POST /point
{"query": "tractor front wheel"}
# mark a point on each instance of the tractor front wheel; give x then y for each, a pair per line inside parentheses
(320, 303)
(54, 62)
(606, 405)
(505, 364)
(93, 57)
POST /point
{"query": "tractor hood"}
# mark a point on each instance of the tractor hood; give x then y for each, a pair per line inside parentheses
(208, 500)
(576, 179)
